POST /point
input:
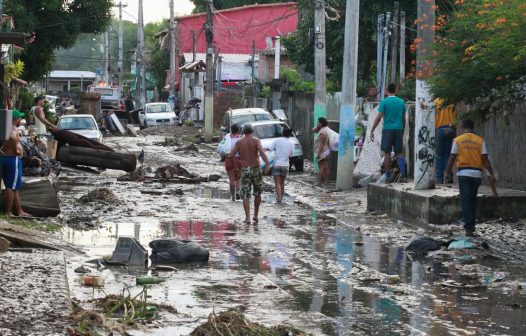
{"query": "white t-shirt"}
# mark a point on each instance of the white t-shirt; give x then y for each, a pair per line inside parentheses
(283, 148)
(469, 172)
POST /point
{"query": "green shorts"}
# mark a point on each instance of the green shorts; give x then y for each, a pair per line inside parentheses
(251, 177)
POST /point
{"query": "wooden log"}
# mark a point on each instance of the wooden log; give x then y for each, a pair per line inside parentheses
(97, 158)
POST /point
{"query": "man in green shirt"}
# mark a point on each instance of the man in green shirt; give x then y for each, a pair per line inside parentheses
(392, 110)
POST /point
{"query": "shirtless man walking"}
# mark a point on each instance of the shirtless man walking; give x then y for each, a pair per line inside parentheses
(11, 161)
(40, 118)
(251, 176)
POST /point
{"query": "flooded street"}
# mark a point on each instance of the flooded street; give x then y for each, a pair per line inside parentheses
(317, 261)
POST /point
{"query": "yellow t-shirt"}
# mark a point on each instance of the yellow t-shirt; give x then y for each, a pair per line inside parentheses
(469, 148)
(444, 116)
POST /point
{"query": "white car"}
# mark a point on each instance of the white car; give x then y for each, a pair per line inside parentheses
(268, 131)
(157, 114)
(242, 116)
(82, 124)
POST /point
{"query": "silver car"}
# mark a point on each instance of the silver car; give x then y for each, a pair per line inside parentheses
(268, 131)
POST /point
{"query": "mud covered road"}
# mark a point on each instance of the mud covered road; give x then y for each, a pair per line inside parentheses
(318, 261)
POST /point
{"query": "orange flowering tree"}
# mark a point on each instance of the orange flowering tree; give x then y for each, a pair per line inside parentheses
(480, 53)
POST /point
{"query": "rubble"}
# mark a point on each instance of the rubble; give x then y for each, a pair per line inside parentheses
(232, 322)
(99, 195)
(172, 251)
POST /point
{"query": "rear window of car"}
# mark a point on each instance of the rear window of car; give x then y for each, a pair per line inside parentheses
(158, 108)
(76, 123)
(268, 131)
(243, 119)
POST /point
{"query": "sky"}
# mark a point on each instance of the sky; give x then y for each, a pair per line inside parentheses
(153, 10)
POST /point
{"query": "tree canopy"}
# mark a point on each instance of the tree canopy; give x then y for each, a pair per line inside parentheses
(301, 48)
(57, 24)
(480, 54)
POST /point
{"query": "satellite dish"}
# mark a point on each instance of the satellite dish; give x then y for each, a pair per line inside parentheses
(268, 41)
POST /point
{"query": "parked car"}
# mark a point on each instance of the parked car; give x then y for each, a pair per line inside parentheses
(242, 116)
(268, 131)
(82, 124)
(156, 114)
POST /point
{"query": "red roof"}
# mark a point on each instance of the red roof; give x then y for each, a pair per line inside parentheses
(236, 28)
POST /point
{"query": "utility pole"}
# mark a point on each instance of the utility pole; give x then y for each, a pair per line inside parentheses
(379, 53)
(195, 78)
(387, 33)
(110, 75)
(120, 63)
(276, 95)
(218, 75)
(209, 88)
(344, 177)
(172, 49)
(402, 47)
(253, 74)
(320, 68)
(394, 43)
(141, 71)
(425, 107)
(105, 75)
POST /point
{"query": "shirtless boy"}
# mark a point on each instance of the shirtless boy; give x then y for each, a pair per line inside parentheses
(251, 176)
(11, 161)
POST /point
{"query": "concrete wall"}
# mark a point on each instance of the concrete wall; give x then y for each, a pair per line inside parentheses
(506, 140)
(266, 66)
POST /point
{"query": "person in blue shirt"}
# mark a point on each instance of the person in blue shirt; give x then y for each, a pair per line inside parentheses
(392, 110)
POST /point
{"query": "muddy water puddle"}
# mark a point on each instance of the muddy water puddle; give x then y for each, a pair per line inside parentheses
(300, 271)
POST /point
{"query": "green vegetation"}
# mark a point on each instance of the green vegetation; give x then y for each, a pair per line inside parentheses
(480, 54)
(33, 224)
(57, 24)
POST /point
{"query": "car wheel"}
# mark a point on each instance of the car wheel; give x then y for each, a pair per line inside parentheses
(145, 124)
(298, 165)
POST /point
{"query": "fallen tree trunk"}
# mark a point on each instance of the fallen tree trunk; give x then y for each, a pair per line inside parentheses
(97, 158)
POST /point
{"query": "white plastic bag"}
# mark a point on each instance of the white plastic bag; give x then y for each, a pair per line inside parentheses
(334, 140)
(225, 145)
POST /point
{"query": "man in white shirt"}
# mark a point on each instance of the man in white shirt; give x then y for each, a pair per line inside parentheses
(283, 148)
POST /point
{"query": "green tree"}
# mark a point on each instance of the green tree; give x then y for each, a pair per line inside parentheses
(57, 24)
(480, 54)
(300, 45)
(159, 60)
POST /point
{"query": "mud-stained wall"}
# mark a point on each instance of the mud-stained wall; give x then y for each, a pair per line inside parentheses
(505, 137)
(222, 102)
(299, 107)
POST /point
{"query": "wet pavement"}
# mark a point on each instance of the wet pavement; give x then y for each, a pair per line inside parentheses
(317, 262)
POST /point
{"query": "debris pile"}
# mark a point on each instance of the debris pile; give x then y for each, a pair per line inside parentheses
(177, 251)
(232, 322)
(99, 195)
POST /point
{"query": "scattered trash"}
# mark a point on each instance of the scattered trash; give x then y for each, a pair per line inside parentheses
(456, 284)
(168, 141)
(364, 182)
(391, 279)
(270, 287)
(164, 268)
(462, 243)
(99, 195)
(82, 269)
(190, 147)
(420, 246)
(91, 281)
(129, 251)
(172, 251)
(233, 323)
(491, 277)
(147, 280)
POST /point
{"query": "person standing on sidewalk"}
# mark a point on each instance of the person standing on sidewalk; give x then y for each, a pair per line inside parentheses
(280, 170)
(445, 133)
(251, 176)
(392, 110)
(322, 150)
(471, 155)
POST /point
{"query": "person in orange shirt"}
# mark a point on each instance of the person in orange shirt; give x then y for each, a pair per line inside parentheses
(470, 152)
(444, 133)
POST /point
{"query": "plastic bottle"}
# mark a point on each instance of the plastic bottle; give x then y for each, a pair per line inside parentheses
(148, 280)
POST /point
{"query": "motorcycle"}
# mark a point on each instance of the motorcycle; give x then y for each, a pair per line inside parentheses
(190, 111)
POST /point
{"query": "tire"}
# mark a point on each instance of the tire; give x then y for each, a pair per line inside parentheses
(145, 124)
(298, 165)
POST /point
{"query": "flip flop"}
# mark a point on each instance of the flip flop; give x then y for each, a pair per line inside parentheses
(255, 220)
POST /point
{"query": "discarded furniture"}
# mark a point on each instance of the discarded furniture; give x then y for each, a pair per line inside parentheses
(129, 251)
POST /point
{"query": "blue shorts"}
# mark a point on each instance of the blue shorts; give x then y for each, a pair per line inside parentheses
(279, 171)
(392, 141)
(12, 172)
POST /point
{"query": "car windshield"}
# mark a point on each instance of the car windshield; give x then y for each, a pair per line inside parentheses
(160, 108)
(243, 119)
(76, 123)
(268, 131)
